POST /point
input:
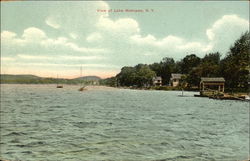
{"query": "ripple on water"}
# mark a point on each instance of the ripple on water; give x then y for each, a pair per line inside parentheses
(42, 123)
(16, 134)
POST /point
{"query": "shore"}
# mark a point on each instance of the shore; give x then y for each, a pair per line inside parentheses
(97, 88)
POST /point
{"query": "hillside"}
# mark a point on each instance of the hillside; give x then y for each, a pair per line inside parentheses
(32, 79)
(89, 78)
(18, 77)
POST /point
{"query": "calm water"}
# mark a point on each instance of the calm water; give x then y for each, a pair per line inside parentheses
(40, 122)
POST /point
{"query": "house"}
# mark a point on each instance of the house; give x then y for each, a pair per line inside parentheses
(215, 84)
(157, 81)
(175, 79)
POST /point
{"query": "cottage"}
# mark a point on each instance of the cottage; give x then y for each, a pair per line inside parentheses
(175, 79)
(157, 81)
(212, 84)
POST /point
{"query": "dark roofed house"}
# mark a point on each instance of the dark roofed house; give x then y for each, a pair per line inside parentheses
(212, 84)
(157, 81)
(175, 79)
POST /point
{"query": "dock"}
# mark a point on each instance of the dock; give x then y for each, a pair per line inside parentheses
(224, 96)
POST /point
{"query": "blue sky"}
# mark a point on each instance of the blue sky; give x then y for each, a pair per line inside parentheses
(50, 38)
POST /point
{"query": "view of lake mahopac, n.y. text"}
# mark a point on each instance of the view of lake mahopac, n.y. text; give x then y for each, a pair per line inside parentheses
(125, 81)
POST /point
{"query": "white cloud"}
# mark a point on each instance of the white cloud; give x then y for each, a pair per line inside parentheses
(220, 36)
(169, 41)
(9, 38)
(69, 65)
(66, 57)
(7, 35)
(148, 40)
(52, 22)
(227, 24)
(94, 37)
(32, 57)
(122, 25)
(225, 31)
(81, 57)
(173, 43)
(7, 59)
(32, 36)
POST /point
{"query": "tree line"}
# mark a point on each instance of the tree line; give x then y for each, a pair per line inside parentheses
(234, 67)
(44, 81)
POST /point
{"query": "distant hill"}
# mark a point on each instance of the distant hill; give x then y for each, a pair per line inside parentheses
(32, 79)
(18, 77)
(88, 78)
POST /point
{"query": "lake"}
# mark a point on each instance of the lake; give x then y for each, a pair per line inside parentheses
(41, 122)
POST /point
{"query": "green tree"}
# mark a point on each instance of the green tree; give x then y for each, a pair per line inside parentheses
(235, 66)
(127, 76)
(211, 58)
(144, 75)
(109, 82)
(189, 62)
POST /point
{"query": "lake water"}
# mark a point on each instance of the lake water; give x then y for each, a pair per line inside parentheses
(41, 122)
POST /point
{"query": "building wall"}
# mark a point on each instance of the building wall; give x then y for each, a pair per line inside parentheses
(175, 83)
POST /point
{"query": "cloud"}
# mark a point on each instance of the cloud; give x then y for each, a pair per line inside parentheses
(170, 43)
(33, 34)
(5, 35)
(52, 22)
(68, 65)
(66, 57)
(30, 35)
(225, 31)
(77, 16)
(226, 24)
(7, 59)
(220, 36)
(122, 25)
(36, 38)
(94, 37)
(81, 57)
(32, 57)
(9, 38)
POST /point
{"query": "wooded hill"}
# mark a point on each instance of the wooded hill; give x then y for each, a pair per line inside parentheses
(32, 79)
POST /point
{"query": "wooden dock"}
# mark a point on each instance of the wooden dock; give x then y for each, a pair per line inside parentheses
(223, 97)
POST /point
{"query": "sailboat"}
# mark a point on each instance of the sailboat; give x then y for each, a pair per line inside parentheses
(82, 87)
(58, 86)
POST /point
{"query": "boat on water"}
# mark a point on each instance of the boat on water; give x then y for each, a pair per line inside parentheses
(58, 86)
(82, 87)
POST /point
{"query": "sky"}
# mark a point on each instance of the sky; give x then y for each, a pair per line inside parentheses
(50, 38)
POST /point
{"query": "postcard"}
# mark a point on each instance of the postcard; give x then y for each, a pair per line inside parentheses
(125, 81)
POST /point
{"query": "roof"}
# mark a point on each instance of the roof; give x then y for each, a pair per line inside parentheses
(213, 79)
(157, 78)
(176, 76)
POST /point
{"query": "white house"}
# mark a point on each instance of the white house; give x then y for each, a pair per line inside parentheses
(175, 79)
(157, 81)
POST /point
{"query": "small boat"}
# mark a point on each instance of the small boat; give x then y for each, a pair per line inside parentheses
(83, 87)
(59, 86)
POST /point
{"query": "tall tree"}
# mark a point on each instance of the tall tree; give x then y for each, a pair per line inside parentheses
(127, 76)
(144, 75)
(189, 62)
(235, 66)
(168, 66)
